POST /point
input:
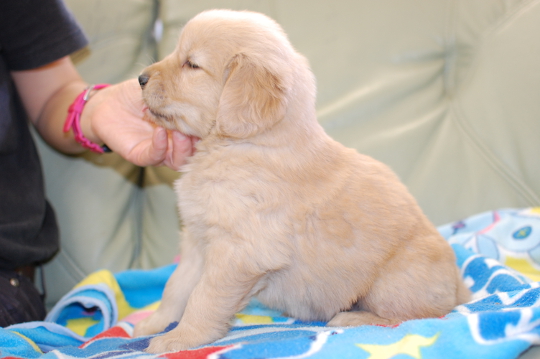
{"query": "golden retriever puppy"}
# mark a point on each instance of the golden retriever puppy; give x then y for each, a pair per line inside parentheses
(272, 206)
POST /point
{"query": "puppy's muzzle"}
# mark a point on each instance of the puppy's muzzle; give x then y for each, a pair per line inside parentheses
(143, 80)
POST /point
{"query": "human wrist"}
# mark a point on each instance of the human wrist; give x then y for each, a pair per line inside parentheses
(87, 124)
(79, 119)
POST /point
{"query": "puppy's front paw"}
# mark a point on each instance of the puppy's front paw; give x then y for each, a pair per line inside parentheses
(166, 343)
(148, 326)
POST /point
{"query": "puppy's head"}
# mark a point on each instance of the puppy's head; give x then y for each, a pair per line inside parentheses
(230, 74)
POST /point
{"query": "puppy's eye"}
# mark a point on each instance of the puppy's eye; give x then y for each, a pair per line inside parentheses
(191, 65)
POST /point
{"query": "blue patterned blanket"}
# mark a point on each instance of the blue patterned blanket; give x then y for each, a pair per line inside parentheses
(498, 253)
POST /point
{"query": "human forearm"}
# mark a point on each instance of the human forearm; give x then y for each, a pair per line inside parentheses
(47, 92)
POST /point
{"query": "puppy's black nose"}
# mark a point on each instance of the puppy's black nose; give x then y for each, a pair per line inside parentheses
(143, 80)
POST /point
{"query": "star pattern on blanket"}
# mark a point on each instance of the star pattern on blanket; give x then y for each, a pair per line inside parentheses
(254, 319)
(410, 345)
(31, 342)
(81, 325)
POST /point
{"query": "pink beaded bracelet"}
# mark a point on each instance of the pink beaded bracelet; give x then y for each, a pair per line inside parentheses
(73, 120)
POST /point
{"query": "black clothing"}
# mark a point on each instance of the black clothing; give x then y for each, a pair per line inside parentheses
(33, 33)
(19, 299)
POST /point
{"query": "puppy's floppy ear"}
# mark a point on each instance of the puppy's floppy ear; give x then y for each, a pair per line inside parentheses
(253, 98)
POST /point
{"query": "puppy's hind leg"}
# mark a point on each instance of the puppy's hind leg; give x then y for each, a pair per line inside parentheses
(177, 291)
(412, 287)
(357, 318)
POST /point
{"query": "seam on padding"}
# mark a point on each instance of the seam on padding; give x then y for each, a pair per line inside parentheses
(470, 134)
(450, 51)
(489, 33)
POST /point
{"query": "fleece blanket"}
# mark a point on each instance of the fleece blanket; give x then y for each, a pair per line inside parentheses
(498, 253)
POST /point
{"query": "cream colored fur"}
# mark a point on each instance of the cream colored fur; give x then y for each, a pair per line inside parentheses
(272, 206)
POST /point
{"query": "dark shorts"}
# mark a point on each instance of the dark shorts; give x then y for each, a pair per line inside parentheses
(20, 301)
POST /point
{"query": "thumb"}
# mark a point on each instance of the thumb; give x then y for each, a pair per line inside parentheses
(159, 146)
(152, 152)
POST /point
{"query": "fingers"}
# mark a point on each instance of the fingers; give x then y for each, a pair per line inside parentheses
(170, 149)
(182, 147)
(157, 151)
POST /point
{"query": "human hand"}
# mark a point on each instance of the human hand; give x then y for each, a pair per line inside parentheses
(114, 115)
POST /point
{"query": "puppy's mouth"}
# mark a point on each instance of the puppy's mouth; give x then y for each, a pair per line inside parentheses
(155, 114)
(165, 121)
(158, 118)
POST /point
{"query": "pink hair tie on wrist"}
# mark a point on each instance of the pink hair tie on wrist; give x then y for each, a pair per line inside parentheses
(73, 120)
